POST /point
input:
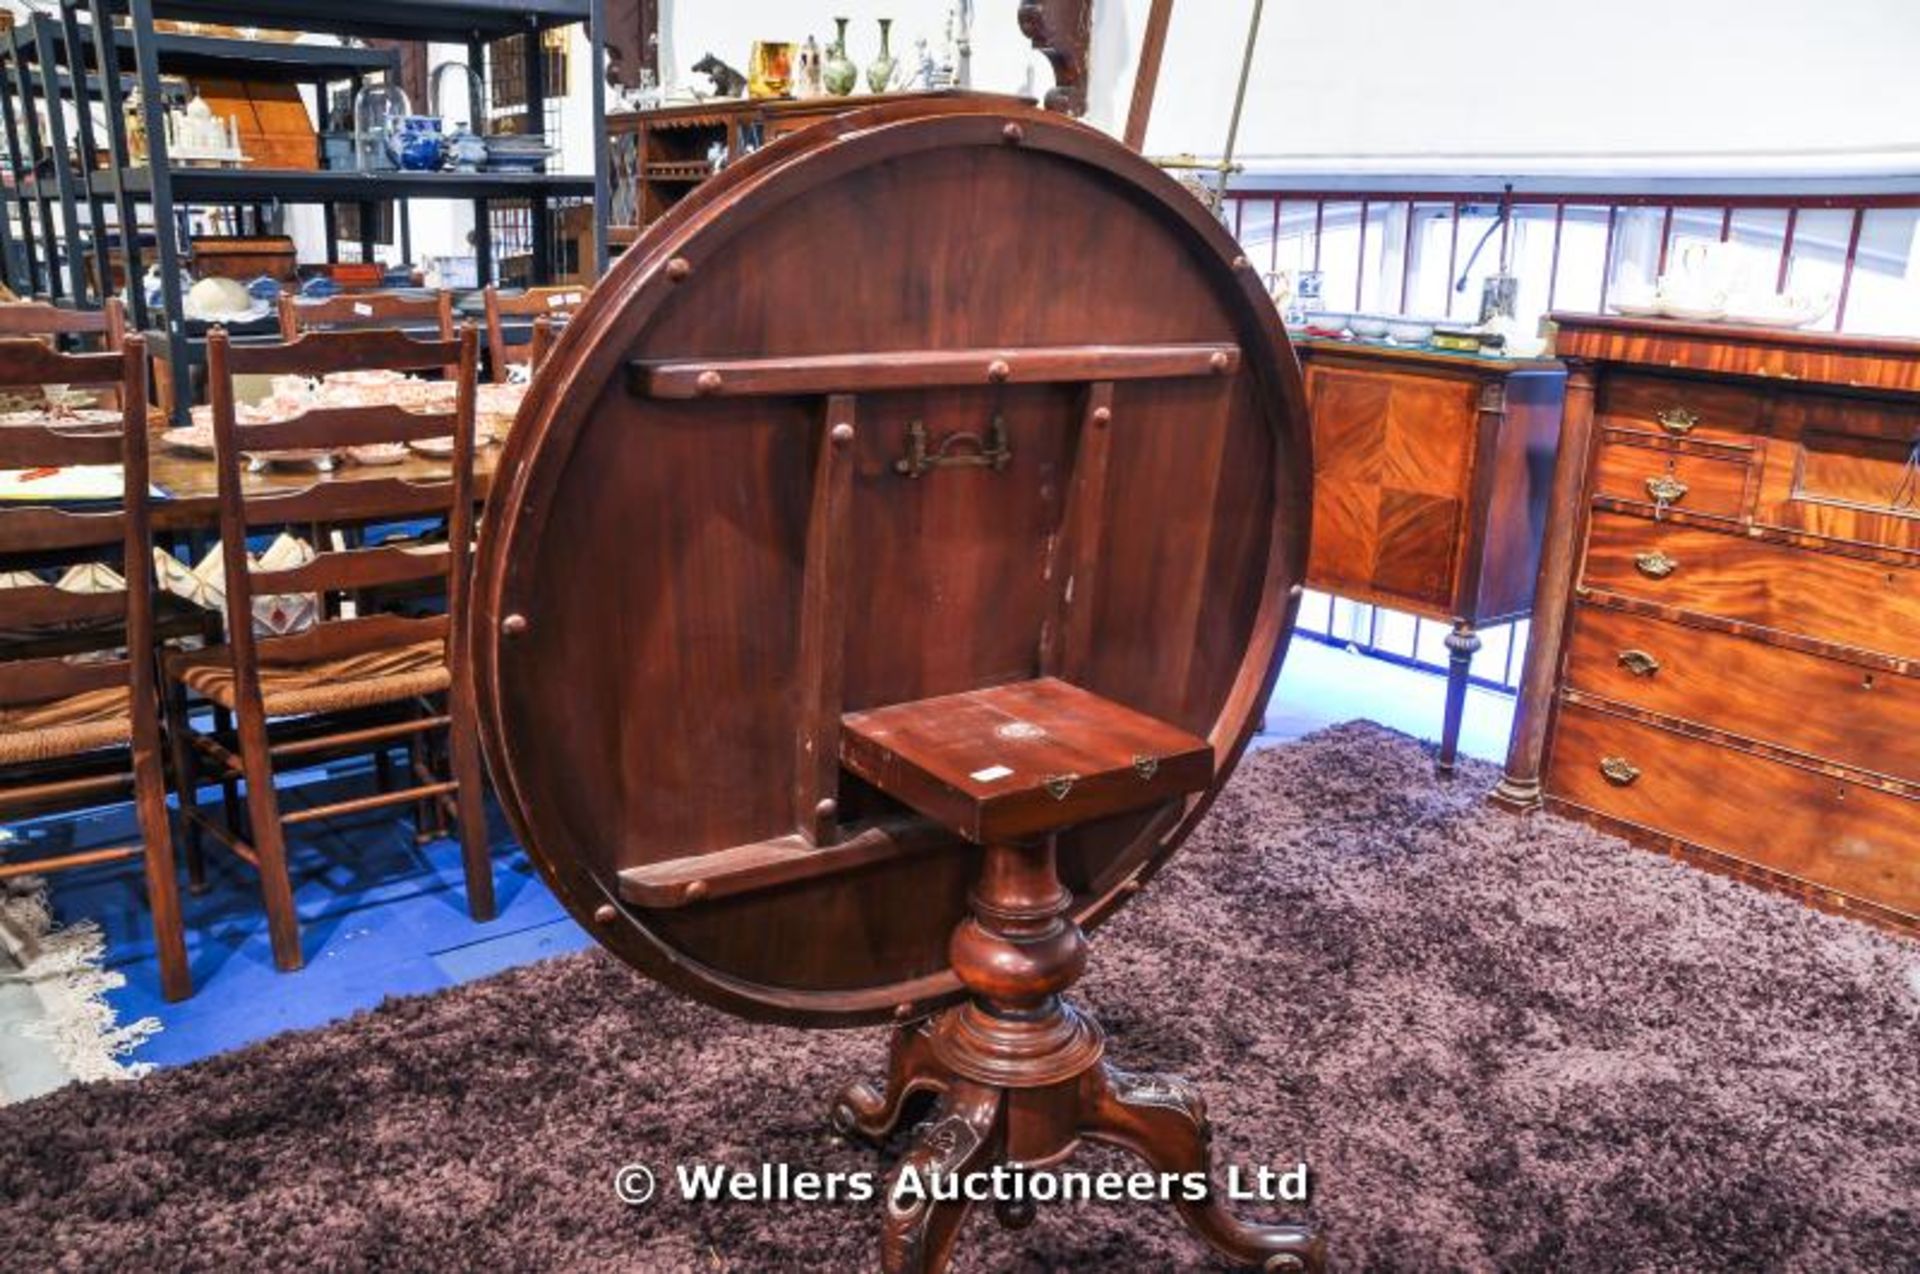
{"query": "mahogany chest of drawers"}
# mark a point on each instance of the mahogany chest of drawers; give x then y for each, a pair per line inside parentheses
(1431, 473)
(1726, 652)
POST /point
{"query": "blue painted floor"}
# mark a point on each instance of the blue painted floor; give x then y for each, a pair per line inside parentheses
(383, 917)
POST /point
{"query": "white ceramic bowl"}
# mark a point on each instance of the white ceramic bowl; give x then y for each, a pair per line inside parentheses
(1693, 310)
(1327, 320)
(1367, 325)
(1780, 310)
(1409, 331)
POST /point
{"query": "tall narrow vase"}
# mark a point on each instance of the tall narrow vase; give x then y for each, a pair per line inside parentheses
(880, 74)
(839, 74)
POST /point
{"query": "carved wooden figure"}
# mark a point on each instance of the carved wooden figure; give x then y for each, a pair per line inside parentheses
(1063, 32)
(845, 663)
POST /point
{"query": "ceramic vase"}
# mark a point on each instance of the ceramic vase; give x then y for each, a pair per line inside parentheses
(880, 74)
(839, 74)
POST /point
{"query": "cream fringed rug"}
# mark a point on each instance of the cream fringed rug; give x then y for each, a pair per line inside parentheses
(56, 1026)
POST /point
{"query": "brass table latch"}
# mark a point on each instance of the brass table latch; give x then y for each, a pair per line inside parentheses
(1619, 771)
(1058, 785)
(1146, 766)
(961, 449)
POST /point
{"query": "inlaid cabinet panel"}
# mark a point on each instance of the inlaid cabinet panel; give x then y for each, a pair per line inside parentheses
(1426, 451)
(1420, 535)
(1394, 450)
(1349, 407)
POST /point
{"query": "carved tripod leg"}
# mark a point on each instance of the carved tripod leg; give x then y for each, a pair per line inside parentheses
(1162, 1119)
(859, 1110)
(963, 1136)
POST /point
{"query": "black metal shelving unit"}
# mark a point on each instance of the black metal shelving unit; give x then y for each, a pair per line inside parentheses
(47, 53)
(43, 180)
(41, 57)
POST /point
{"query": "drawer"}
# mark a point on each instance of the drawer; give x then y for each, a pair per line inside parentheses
(1677, 407)
(1631, 470)
(1821, 707)
(1847, 601)
(1846, 837)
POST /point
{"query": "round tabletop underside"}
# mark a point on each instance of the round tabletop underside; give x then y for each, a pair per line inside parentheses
(921, 401)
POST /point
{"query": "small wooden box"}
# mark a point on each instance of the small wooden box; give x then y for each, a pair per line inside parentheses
(244, 257)
(357, 274)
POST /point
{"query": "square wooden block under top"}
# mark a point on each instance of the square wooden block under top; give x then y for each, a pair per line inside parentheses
(1018, 761)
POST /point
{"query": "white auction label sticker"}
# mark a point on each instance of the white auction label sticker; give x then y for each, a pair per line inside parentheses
(992, 774)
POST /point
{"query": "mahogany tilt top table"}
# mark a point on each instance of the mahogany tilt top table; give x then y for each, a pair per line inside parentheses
(843, 663)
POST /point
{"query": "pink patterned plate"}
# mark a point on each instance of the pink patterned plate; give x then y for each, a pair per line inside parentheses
(195, 440)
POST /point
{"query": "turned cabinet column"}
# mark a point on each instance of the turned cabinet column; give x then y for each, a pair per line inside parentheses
(1519, 787)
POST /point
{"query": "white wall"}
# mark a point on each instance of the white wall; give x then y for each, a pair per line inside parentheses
(1688, 87)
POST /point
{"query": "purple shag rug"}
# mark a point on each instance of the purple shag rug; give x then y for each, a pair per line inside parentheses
(1499, 1044)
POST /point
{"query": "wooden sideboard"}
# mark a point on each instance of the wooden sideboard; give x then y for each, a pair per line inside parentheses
(1431, 473)
(1726, 661)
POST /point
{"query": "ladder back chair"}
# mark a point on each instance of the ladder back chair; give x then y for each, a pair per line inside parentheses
(79, 331)
(352, 682)
(369, 311)
(82, 331)
(549, 303)
(38, 318)
(78, 728)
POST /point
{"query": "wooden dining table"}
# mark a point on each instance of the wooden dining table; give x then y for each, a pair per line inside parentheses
(189, 483)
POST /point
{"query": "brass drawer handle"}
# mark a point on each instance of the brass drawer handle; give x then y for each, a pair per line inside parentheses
(1655, 565)
(1619, 771)
(1666, 489)
(1639, 663)
(1677, 421)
